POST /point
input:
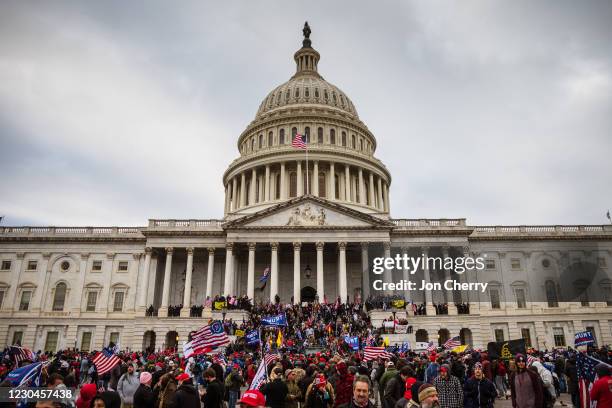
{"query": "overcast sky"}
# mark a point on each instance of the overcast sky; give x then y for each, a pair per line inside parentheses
(115, 112)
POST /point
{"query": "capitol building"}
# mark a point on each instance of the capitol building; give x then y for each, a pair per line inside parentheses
(315, 219)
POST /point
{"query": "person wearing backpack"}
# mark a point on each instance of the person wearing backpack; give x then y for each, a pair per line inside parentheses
(233, 382)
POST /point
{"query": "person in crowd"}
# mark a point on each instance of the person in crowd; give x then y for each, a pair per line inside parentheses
(212, 396)
(525, 386)
(127, 385)
(164, 391)
(252, 399)
(186, 396)
(602, 387)
(361, 394)
(389, 372)
(450, 392)
(499, 369)
(276, 390)
(294, 395)
(548, 386)
(233, 382)
(396, 386)
(478, 391)
(428, 396)
(571, 373)
(320, 393)
(88, 392)
(143, 397)
(344, 384)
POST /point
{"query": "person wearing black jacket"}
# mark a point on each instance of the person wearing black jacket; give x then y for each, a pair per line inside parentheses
(396, 386)
(213, 396)
(186, 395)
(275, 391)
(143, 397)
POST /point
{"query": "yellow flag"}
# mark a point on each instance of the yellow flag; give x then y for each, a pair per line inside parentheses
(460, 349)
(386, 341)
(239, 333)
(279, 339)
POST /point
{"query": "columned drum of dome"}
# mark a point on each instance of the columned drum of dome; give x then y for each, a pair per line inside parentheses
(340, 148)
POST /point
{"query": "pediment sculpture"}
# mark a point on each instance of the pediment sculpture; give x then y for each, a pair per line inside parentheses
(306, 217)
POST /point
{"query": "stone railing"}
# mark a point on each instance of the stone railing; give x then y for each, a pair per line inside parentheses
(539, 230)
(191, 224)
(442, 222)
(72, 231)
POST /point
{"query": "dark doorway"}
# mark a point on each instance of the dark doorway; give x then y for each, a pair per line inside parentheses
(148, 341)
(308, 294)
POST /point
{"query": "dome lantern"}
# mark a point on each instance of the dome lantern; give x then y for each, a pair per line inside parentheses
(306, 58)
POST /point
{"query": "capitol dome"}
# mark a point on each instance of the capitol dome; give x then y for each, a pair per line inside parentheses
(340, 165)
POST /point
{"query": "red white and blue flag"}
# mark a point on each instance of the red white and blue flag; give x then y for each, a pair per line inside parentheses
(452, 343)
(20, 354)
(431, 347)
(105, 361)
(372, 353)
(585, 366)
(209, 337)
(298, 142)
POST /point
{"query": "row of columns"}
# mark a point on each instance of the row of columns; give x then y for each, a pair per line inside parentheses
(236, 191)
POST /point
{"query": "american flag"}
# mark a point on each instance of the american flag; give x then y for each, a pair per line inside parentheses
(20, 354)
(271, 357)
(585, 366)
(452, 343)
(531, 359)
(209, 337)
(372, 353)
(298, 142)
(431, 347)
(105, 360)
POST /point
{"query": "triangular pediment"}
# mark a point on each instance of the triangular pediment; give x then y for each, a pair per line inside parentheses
(308, 212)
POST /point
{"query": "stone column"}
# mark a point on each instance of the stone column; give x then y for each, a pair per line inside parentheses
(273, 271)
(428, 298)
(315, 179)
(386, 197)
(300, 179)
(332, 182)
(320, 277)
(185, 311)
(234, 193)
(78, 287)
(387, 274)
(450, 299)
(362, 197)
(144, 287)
(251, 271)
(267, 184)
(365, 270)
(253, 190)
(372, 201)
(10, 302)
(227, 198)
(229, 269)
(380, 197)
(347, 183)
(211, 269)
(343, 288)
(297, 246)
(242, 189)
(283, 189)
(163, 310)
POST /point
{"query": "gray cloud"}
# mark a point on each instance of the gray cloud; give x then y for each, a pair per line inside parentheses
(114, 112)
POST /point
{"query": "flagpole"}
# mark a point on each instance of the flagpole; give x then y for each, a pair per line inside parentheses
(307, 181)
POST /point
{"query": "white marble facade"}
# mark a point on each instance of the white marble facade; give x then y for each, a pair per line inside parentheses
(83, 286)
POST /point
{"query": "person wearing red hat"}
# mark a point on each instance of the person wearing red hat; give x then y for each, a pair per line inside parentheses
(186, 396)
(320, 394)
(252, 398)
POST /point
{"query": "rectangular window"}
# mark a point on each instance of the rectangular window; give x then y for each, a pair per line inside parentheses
(559, 336)
(92, 298)
(6, 265)
(515, 263)
(51, 341)
(490, 263)
(494, 294)
(123, 266)
(96, 266)
(1, 297)
(526, 334)
(520, 298)
(118, 303)
(24, 304)
(85, 341)
(32, 265)
(17, 338)
(499, 335)
(114, 337)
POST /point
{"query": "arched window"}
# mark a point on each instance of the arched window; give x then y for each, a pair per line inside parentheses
(257, 188)
(297, 92)
(344, 139)
(306, 92)
(320, 135)
(342, 100)
(332, 136)
(325, 95)
(316, 92)
(260, 141)
(334, 98)
(270, 139)
(307, 134)
(293, 133)
(253, 144)
(293, 184)
(281, 137)
(322, 190)
(353, 143)
(59, 298)
(361, 144)
(287, 95)
(551, 294)
(278, 97)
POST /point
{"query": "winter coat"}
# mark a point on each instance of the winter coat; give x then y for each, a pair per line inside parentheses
(214, 395)
(479, 393)
(276, 392)
(143, 397)
(572, 376)
(536, 382)
(394, 390)
(186, 396)
(450, 392)
(127, 386)
(316, 398)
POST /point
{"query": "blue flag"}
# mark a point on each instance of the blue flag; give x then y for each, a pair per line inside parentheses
(28, 376)
(252, 337)
(353, 342)
(583, 338)
(277, 321)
